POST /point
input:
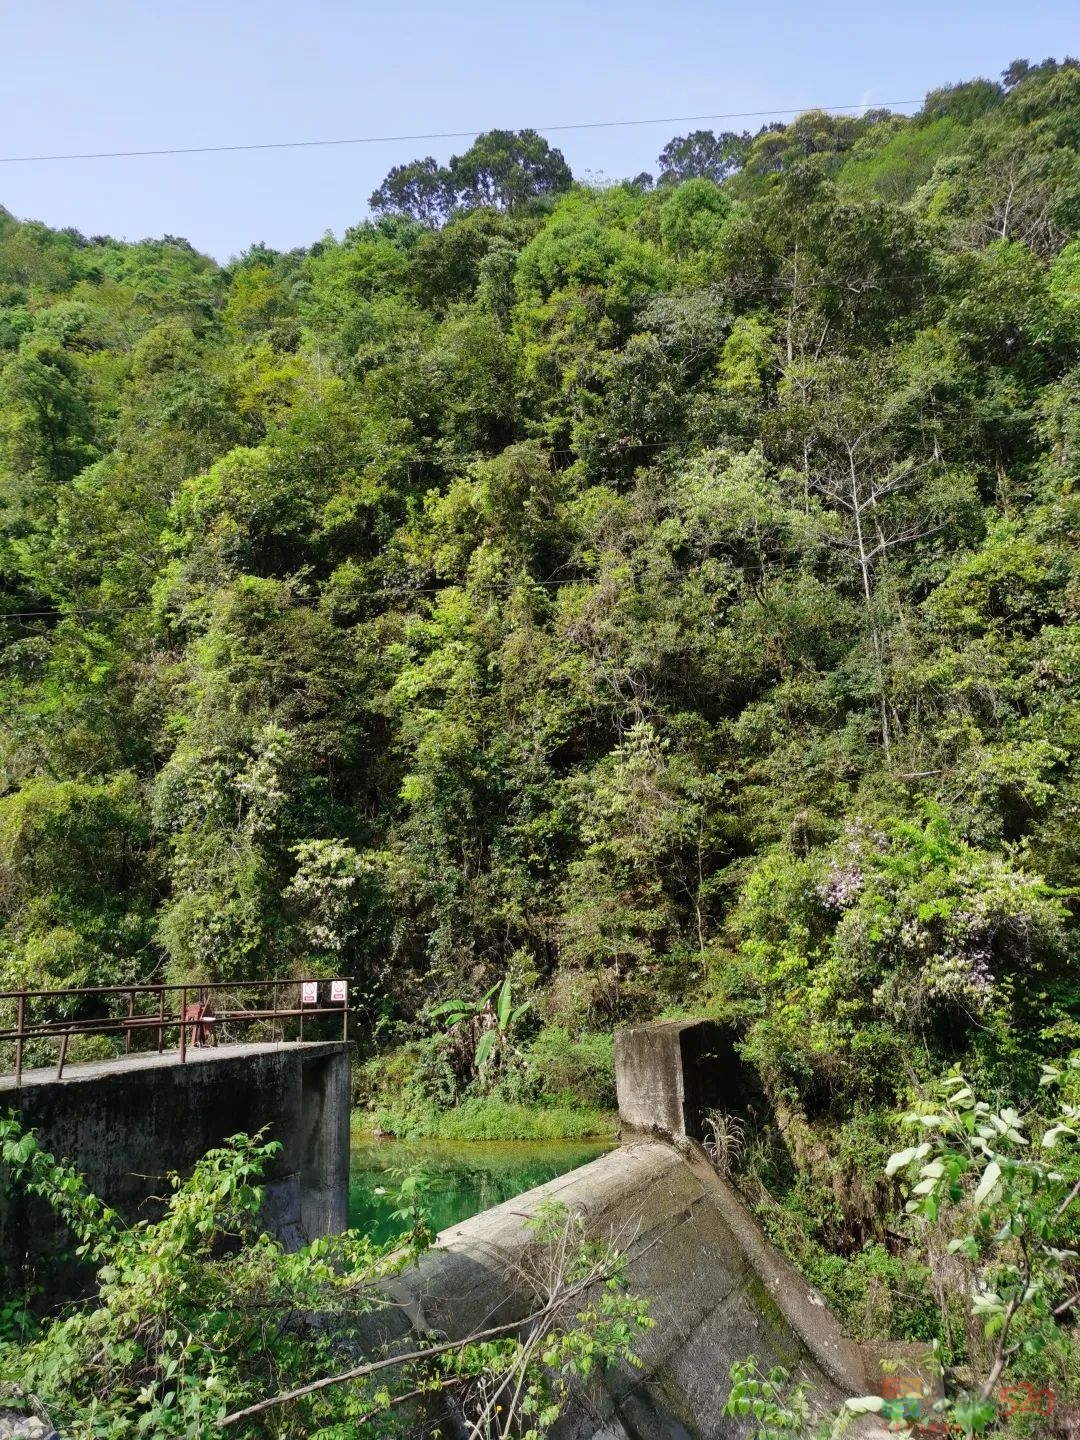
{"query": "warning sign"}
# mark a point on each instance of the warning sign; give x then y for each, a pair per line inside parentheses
(339, 991)
(309, 992)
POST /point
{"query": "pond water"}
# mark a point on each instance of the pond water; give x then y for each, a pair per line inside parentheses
(464, 1177)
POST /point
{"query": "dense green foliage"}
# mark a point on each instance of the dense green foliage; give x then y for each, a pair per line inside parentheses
(661, 596)
(992, 1193)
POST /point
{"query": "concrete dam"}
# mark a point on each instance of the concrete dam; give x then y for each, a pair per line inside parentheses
(717, 1290)
(125, 1122)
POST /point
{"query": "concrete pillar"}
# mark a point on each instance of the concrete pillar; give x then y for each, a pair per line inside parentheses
(324, 1144)
(671, 1073)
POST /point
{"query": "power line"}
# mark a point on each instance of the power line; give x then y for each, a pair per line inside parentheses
(437, 135)
(500, 587)
(63, 614)
(74, 611)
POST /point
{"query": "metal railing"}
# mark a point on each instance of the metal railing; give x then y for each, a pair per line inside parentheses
(203, 1013)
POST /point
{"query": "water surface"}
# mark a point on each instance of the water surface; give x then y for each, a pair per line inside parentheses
(464, 1177)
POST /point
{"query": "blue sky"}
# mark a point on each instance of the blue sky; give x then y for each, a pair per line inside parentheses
(115, 74)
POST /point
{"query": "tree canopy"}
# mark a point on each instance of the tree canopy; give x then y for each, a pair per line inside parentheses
(501, 170)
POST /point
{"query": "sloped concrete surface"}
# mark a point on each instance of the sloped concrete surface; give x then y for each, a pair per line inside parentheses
(717, 1291)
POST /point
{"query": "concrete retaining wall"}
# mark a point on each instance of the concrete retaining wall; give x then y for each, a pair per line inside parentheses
(124, 1124)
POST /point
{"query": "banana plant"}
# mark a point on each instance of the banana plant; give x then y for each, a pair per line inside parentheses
(452, 1012)
(497, 1021)
(506, 1017)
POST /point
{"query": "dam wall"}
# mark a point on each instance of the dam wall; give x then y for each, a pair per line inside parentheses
(126, 1123)
(718, 1292)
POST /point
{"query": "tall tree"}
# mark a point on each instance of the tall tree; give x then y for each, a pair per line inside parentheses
(422, 190)
(507, 168)
(701, 155)
(501, 170)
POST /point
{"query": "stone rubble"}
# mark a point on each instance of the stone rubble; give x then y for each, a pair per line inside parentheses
(16, 1426)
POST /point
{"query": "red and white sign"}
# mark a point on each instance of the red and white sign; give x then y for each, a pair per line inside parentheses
(309, 992)
(339, 991)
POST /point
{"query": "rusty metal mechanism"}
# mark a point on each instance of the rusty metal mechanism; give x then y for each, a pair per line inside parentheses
(199, 1014)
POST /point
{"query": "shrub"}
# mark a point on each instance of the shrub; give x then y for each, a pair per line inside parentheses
(575, 1072)
(200, 1313)
(889, 935)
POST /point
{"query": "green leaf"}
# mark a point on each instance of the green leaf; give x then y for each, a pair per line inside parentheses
(1050, 1137)
(865, 1404)
(502, 1009)
(903, 1158)
(990, 1178)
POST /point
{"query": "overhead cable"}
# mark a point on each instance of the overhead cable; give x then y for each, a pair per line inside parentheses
(437, 135)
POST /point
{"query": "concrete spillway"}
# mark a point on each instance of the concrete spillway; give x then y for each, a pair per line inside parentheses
(717, 1290)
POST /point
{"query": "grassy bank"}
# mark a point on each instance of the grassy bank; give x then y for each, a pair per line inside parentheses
(553, 1085)
(481, 1118)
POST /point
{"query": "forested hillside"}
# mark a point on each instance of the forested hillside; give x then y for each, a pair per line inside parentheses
(663, 594)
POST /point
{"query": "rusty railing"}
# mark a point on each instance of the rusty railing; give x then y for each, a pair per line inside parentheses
(202, 1014)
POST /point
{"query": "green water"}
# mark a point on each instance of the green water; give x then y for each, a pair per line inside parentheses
(465, 1176)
